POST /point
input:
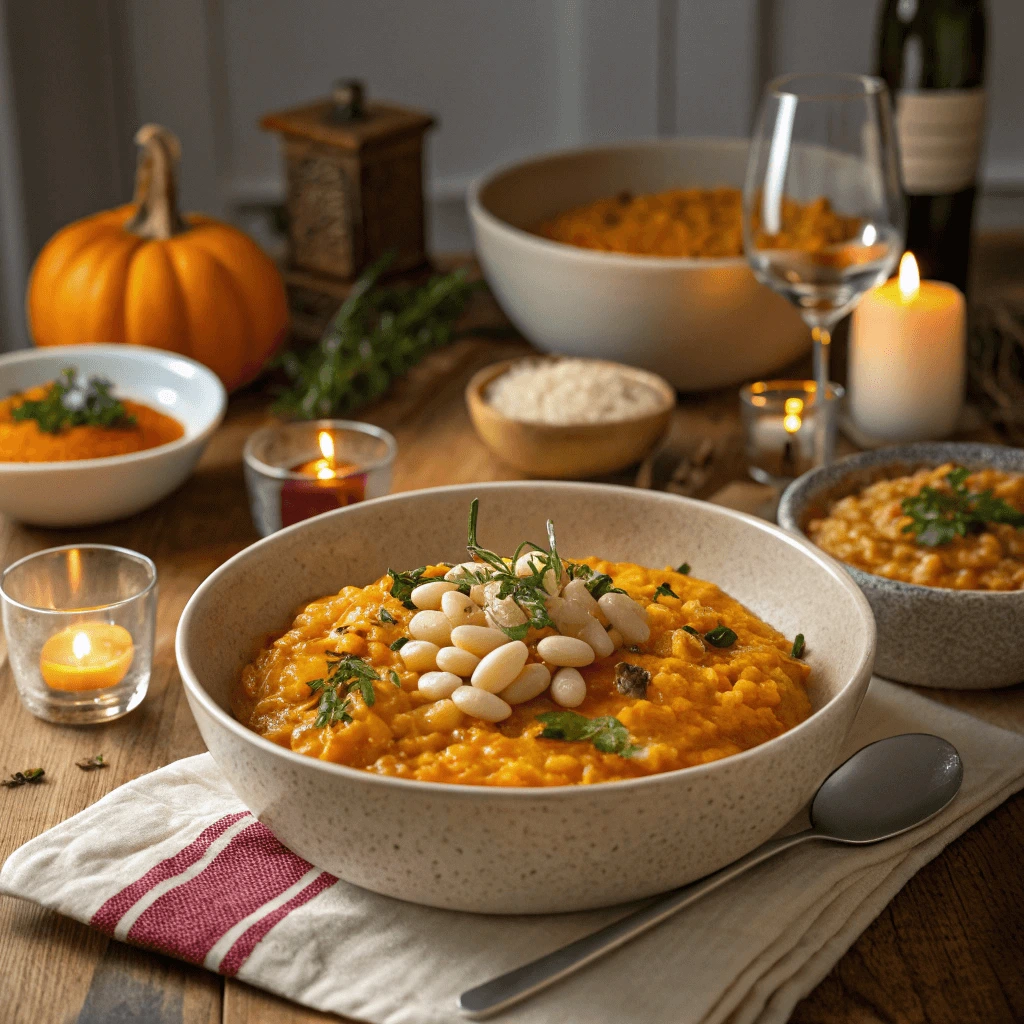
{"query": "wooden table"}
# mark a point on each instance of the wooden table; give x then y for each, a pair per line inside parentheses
(947, 950)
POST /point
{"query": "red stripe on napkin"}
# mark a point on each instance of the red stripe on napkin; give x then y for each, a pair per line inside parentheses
(187, 921)
(107, 917)
(248, 940)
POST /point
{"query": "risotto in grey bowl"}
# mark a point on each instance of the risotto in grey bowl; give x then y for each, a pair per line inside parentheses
(949, 615)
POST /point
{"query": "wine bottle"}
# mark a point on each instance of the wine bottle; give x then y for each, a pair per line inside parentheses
(931, 54)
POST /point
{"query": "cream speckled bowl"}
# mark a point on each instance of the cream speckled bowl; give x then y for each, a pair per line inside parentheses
(494, 850)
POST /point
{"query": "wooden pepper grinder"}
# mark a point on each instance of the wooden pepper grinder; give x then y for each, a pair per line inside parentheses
(355, 191)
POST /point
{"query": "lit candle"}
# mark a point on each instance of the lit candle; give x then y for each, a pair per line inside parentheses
(330, 485)
(87, 656)
(907, 362)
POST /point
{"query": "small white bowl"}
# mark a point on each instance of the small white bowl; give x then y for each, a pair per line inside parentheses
(84, 492)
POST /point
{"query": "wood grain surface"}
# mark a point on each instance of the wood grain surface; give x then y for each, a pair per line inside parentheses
(948, 949)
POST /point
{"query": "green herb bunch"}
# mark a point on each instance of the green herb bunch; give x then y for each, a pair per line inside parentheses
(345, 673)
(72, 401)
(378, 334)
(938, 516)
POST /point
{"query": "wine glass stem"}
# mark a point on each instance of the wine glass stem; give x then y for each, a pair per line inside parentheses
(822, 349)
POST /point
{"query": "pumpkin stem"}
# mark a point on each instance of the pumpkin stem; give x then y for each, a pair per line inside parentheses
(156, 193)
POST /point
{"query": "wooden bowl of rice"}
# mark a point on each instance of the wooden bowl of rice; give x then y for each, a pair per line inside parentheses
(568, 418)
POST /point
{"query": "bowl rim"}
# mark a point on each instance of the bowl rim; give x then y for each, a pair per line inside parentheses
(479, 212)
(141, 354)
(800, 491)
(195, 691)
(485, 375)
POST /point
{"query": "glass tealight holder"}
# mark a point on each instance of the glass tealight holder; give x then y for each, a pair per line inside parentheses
(80, 622)
(780, 420)
(297, 470)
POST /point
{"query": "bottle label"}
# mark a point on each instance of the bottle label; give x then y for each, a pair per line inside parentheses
(940, 136)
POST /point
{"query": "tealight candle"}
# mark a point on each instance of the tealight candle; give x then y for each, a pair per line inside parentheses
(907, 361)
(332, 484)
(87, 656)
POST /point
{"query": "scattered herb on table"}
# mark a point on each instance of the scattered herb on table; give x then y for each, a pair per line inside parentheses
(378, 334)
(399, 643)
(607, 734)
(90, 764)
(30, 776)
(404, 583)
(721, 636)
(72, 401)
(798, 646)
(345, 674)
(665, 591)
(938, 516)
(684, 569)
(386, 616)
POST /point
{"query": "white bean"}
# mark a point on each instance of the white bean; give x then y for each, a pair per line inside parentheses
(502, 611)
(432, 626)
(480, 704)
(419, 655)
(476, 592)
(454, 659)
(566, 650)
(438, 685)
(478, 640)
(569, 618)
(531, 682)
(497, 669)
(428, 595)
(460, 572)
(461, 609)
(576, 591)
(593, 633)
(627, 617)
(568, 688)
(616, 638)
(532, 562)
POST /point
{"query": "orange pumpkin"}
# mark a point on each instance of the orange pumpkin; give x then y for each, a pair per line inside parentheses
(143, 275)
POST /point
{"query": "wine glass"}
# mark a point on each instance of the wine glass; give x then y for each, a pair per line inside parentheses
(823, 211)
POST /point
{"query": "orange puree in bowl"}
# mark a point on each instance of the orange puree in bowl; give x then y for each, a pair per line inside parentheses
(702, 702)
(23, 441)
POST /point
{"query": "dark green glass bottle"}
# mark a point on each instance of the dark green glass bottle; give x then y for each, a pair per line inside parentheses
(931, 54)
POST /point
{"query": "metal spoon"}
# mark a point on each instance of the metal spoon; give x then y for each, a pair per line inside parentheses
(884, 790)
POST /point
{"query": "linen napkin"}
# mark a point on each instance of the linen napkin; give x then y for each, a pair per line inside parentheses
(174, 862)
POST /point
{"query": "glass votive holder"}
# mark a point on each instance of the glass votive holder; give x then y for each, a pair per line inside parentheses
(80, 622)
(781, 420)
(301, 469)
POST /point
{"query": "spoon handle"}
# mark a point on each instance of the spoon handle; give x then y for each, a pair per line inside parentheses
(510, 988)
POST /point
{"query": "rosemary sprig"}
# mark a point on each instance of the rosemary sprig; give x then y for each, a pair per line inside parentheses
(378, 334)
(72, 401)
(938, 516)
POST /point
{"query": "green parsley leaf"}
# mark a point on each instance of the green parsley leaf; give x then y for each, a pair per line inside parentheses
(399, 643)
(684, 569)
(74, 402)
(386, 616)
(665, 591)
(404, 583)
(721, 636)
(607, 734)
(798, 646)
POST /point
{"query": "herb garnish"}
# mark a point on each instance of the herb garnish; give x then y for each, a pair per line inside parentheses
(29, 776)
(938, 516)
(665, 591)
(342, 670)
(378, 334)
(90, 764)
(684, 569)
(399, 643)
(721, 636)
(607, 734)
(598, 583)
(692, 631)
(385, 616)
(72, 401)
(404, 583)
(393, 676)
(798, 646)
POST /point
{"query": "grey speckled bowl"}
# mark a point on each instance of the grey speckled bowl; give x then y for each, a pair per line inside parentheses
(494, 850)
(948, 639)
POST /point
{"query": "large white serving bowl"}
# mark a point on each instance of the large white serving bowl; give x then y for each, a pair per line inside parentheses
(700, 323)
(493, 850)
(83, 492)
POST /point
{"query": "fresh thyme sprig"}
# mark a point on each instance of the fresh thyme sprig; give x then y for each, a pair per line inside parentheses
(345, 674)
(607, 734)
(72, 401)
(938, 516)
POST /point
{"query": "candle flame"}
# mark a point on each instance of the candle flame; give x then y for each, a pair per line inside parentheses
(74, 570)
(81, 645)
(792, 420)
(326, 443)
(910, 276)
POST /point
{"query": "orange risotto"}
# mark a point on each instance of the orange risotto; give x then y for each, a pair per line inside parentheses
(692, 223)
